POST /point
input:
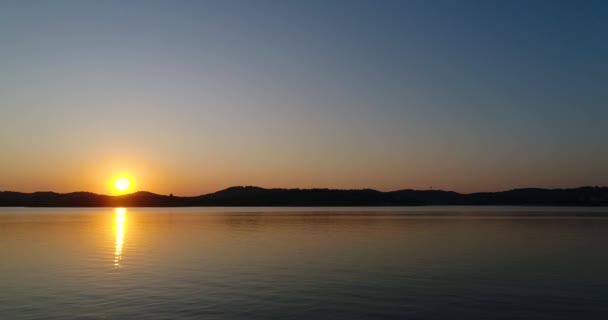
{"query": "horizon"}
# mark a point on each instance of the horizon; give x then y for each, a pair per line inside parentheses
(313, 188)
(252, 196)
(192, 97)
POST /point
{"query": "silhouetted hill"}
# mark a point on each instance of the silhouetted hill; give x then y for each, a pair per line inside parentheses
(256, 196)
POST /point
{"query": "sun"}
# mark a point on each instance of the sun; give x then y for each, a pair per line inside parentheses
(121, 184)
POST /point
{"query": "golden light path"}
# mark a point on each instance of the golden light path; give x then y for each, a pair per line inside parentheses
(120, 214)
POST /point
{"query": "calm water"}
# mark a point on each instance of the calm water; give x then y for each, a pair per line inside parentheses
(275, 263)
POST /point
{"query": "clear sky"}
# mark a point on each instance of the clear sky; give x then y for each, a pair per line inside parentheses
(189, 97)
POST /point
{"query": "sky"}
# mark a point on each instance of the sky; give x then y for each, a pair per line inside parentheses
(190, 97)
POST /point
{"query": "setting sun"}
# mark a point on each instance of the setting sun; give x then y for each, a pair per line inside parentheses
(122, 184)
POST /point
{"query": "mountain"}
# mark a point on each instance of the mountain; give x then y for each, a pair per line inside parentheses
(256, 196)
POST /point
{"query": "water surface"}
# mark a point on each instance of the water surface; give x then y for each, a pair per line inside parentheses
(304, 263)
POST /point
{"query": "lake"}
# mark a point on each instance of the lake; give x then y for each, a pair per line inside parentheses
(304, 263)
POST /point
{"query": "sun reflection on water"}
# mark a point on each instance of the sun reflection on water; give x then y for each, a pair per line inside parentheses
(120, 234)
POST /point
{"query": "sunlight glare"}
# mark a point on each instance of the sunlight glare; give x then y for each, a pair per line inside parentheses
(122, 184)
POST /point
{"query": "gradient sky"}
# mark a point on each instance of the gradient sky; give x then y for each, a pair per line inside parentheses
(192, 97)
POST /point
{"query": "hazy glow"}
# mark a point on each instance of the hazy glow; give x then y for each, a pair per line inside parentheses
(120, 219)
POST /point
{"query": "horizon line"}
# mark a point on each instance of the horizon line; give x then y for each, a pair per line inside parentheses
(334, 189)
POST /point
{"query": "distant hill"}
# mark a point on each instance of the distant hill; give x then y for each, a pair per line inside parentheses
(256, 196)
